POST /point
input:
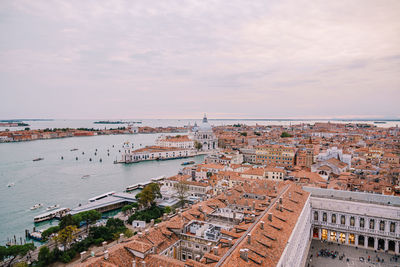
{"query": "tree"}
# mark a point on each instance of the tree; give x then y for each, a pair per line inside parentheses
(66, 235)
(90, 217)
(46, 233)
(243, 134)
(285, 134)
(148, 195)
(198, 145)
(14, 251)
(181, 190)
(127, 209)
(45, 257)
(27, 128)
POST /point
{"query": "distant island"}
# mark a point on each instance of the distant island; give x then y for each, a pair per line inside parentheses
(110, 122)
(13, 124)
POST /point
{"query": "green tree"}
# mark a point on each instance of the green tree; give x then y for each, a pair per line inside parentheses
(27, 128)
(148, 195)
(243, 133)
(285, 134)
(89, 217)
(168, 209)
(127, 209)
(54, 229)
(45, 257)
(198, 145)
(13, 252)
(66, 235)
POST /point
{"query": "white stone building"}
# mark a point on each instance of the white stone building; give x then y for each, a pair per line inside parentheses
(205, 135)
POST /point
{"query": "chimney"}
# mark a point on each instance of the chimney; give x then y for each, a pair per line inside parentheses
(277, 206)
(83, 255)
(134, 263)
(280, 200)
(140, 234)
(200, 208)
(104, 245)
(269, 200)
(156, 226)
(215, 250)
(244, 254)
(249, 238)
(106, 255)
(146, 232)
(121, 237)
(270, 217)
(290, 195)
(165, 217)
(234, 215)
(254, 205)
(230, 242)
(262, 225)
(152, 223)
(281, 207)
(143, 264)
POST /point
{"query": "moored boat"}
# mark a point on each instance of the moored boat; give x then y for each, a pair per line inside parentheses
(53, 207)
(36, 206)
(74, 149)
(188, 162)
(37, 159)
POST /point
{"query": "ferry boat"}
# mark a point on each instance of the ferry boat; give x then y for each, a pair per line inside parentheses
(55, 214)
(10, 184)
(188, 162)
(53, 207)
(102, 196)
(38, 159)
(36, 206)
(36, 235)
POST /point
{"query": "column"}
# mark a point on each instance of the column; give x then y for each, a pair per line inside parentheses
(396, 247)
(375, 243)
(319, 233)
(366, 241)
(356, 240)
(329, 235)
(386, 244)
(347, 238)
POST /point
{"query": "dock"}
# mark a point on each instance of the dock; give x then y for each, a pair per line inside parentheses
(54, 214)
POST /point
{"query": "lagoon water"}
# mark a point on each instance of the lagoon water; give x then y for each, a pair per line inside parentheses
(54, 181)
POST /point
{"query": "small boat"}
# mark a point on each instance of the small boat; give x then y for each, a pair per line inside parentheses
(53, 207)
(188, 162)
(38, 159)
(74, 149)
(37, 206)
(10, 184)
(85, 176)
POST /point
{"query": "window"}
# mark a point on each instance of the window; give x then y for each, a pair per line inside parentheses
(324, 217)
(382, 225)
(362, 222)
(372, 224)
(342, 219)
(392, 227)
(352, 221)
(315, 215)
(333, 219)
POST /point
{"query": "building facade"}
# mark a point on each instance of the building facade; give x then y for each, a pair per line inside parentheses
(204, 135)
(276, 155)
(356, 219)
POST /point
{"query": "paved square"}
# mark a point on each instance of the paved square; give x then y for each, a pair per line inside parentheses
(350, 253)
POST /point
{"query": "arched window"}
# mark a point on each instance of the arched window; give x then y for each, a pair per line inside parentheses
(333, 219)
(342, 219)
(372, 224)
(352, 221)
(324, 216)
(315, 215)
(382, 226)
(392, 227)
(362, 222)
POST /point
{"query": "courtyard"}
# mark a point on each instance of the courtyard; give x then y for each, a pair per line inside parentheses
(327, 254)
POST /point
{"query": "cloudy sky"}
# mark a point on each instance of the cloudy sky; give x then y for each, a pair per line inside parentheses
(179, 59)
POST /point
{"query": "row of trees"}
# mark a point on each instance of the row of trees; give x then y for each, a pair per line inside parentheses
(12, 252)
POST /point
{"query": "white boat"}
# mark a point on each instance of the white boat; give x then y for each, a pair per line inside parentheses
(85, 176)
(37, 206)
(10, 184)
(53, 207)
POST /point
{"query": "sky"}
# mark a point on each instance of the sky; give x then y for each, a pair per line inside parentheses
(180, 59)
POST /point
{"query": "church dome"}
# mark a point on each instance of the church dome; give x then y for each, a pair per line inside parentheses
(204, 126)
